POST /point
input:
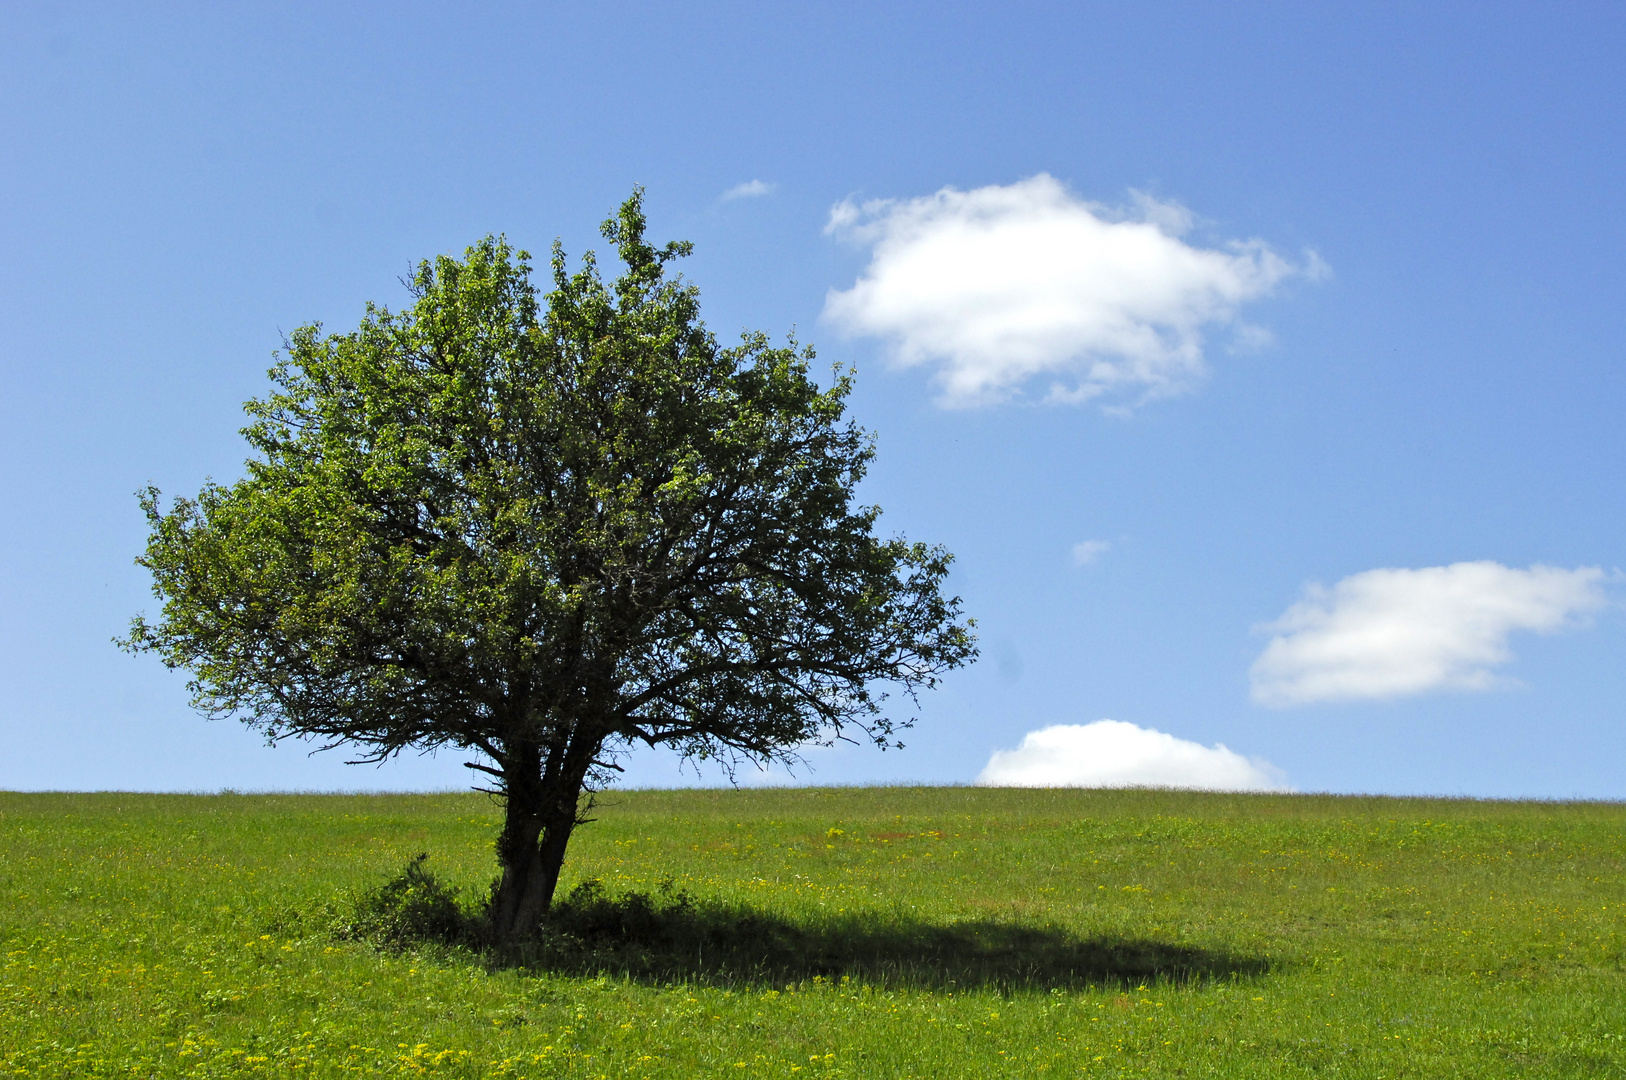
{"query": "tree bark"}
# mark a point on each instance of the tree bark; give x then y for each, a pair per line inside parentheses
(517, 891)
(543, 792)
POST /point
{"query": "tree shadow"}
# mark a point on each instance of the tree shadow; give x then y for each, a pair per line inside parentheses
(672, 938)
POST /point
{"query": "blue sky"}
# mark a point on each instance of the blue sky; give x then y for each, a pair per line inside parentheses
(1350, 490)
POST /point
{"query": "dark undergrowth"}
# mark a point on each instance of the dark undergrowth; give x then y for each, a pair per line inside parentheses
(671, 937)
(413, 908)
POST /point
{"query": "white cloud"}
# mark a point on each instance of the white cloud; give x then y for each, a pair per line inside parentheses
(1111, 753)
(751, 189)
(1005, 287)
(1087, 551)
(1389, 633)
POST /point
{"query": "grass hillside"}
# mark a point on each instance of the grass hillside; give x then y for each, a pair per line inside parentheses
(865, 932)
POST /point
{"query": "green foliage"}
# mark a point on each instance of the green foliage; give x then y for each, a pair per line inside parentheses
(494, 515)
(1321, 936)
(412, 908)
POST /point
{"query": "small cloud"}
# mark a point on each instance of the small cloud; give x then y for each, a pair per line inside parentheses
(1171, 217)
(751, 189)
(1247, 338)
(1315, 267)
(1087, 551)
(1028, 289)
(1111, 753)
(1395, 632)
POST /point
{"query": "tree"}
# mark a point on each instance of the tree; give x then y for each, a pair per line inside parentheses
(546, 531)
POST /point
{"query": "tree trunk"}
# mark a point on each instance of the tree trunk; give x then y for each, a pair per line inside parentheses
(542, 797)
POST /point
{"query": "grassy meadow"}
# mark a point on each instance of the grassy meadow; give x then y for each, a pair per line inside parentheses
(862, 932)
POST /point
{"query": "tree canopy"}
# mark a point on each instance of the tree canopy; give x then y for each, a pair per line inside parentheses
(546, 529)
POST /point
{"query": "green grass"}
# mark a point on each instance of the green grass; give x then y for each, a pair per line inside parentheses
(866, 932)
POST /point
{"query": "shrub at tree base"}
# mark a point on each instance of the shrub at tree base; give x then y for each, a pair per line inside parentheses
(412, 908)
